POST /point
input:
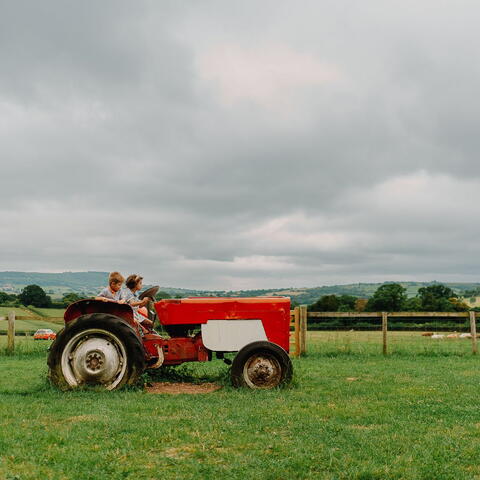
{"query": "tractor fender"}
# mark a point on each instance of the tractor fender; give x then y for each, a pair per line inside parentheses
(86, 307)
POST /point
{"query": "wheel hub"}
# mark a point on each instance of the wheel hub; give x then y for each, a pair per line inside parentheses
(262, 371)
(94, 357)
(95, 360)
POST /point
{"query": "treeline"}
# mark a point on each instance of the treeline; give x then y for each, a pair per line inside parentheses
(392, 297)
(35, 296)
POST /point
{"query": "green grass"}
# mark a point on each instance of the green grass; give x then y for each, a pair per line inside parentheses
(350, 414)
(399, 343)
(30, 326)
(51, 312)
(4, 311)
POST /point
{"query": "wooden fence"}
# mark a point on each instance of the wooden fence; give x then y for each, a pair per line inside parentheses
(386, 315)
(298, 321)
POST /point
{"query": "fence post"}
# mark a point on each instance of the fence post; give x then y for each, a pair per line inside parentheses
(11, 332)
(473, 331)
(303, 329)
(384, 331)
(297, 330)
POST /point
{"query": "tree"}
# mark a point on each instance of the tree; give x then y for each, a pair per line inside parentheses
(7, 298)
(326, 303)
(161, 295)
(389, 297)
(458, 304)
(294, 304)
(412, 304)
(34, 295)
(435, 298)
(347, 303)
(69, 298)
(361, 304)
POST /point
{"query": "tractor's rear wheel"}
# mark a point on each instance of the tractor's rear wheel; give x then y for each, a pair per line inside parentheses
(261, 365)
(96, 349)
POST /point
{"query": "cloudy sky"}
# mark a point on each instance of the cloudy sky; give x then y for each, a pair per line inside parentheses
(241, 144)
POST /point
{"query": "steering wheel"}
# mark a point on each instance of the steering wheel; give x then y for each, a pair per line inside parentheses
(149, 293)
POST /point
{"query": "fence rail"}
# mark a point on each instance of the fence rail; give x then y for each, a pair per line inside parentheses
(385, 315)
(298, 321)
(390, 314)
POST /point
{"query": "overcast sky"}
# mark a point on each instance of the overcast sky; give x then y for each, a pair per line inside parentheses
(241, 144)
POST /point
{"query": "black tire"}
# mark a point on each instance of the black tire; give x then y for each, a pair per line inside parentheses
(118, 353)
(261, 365)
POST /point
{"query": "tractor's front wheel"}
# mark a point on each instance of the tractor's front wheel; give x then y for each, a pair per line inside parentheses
(96, 349)
(261, 365)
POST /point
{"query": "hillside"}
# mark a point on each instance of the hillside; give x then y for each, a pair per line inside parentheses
(55, 284)
(89, 283)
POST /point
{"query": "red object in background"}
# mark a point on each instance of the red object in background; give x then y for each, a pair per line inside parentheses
(274, 312)
(44, 334)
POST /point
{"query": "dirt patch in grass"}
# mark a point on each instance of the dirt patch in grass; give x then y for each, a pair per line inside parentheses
(173, 388)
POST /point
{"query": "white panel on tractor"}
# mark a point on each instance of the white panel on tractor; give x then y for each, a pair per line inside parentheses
(231, 335)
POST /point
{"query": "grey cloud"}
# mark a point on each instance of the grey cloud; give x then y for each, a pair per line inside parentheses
(117, 152)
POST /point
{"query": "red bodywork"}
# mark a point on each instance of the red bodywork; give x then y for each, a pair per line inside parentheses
(274, 313)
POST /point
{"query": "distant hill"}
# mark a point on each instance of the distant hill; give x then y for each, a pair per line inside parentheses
(54, 283)
(89, 283)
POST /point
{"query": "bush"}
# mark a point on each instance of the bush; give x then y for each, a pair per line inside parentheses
(34, 295)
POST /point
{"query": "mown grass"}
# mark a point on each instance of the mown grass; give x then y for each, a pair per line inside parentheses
(30, 326)
(4, 311)
(51, 312)
(350, 414)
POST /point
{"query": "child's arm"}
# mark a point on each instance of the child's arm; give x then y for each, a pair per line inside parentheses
(138, 303)
(103, 297)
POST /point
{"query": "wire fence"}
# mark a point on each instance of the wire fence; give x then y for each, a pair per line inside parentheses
(394, 332)
(21, 325)
(340, 332)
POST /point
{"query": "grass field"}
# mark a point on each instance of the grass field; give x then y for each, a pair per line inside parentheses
(18, 311)
(51, 312)
(350, 414)
(30, 326)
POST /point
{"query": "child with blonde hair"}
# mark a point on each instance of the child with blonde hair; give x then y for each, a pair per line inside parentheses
(112, 293)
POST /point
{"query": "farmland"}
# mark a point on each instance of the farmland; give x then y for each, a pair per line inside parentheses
(26, 326)
(18, 311)
(350, 414)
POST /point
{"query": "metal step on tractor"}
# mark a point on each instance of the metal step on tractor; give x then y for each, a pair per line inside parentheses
(102, 344)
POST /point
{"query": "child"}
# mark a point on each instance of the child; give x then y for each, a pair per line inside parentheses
(112, 293)
(134, 284)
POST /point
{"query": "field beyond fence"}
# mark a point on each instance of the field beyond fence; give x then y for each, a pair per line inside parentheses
(301, 319)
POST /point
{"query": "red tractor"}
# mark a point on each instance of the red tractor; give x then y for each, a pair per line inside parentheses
(102, 344)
